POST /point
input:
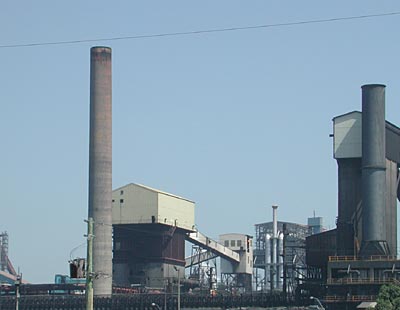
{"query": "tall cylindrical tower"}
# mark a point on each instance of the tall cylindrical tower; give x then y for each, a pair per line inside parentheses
(267, 274)
(373, 170)
(274, 267)
(279, 259)
(100, 168)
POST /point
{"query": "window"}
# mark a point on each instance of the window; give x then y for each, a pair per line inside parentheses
(122, 192)
(226, 243)
(121, 201)
(239, 243)
(232, 242)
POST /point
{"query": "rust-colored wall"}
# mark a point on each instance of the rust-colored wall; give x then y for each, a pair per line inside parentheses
(144, 243)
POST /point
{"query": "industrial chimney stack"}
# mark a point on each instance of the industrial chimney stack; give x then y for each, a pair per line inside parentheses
(100, 168)
(373, 170)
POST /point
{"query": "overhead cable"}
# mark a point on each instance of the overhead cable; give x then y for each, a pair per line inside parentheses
(197, 32)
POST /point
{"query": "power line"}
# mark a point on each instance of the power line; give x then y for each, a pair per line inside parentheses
(196, 32)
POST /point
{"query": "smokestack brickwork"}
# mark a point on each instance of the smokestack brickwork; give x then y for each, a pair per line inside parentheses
(100, 168)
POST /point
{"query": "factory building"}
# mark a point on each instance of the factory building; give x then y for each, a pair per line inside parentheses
(149, 232)
(350, 263)
(347, 152)
(316, 224)
(280, 261)
(150, 228)
(233, 275)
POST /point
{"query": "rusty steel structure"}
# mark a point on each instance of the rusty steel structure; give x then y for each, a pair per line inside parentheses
(5, 263)
(100, 167)
(3, 251)
(351, 262)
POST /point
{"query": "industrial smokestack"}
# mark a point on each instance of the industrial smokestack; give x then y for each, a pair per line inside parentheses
(373, 170)
(100, 168)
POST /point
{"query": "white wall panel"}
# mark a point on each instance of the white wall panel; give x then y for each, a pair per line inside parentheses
(347, 135)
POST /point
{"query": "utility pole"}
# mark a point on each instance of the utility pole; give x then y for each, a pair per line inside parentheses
(17, 293)
(89, 265)
(179, 288)
(285, 234)
(165, 294)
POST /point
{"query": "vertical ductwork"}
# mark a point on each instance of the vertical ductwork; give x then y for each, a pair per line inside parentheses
(100, 168)
(373, 170)
(274, 221)
(274, 268)
(267, 273)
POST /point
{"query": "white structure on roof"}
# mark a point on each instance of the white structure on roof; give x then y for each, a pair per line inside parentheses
(347, 135)
(139, 204)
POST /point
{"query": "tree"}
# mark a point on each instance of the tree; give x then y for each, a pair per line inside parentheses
(389, 298)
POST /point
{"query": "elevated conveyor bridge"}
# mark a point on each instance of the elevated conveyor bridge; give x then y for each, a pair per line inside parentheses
(211, 248)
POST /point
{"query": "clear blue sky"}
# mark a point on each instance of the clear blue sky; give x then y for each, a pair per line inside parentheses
(236, 121)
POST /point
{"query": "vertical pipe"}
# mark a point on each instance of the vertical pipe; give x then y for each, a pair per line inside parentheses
(284, 273)
(274, 246)
(267, 260)
(100, 168)
(275, 221)
(179, 290)
(391, 205)
(89, 266)
(280, 261)
(373, 169)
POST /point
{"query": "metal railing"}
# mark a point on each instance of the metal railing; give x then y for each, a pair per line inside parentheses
(352, 298)
(362, 281)
(363, 258)
(146, 301)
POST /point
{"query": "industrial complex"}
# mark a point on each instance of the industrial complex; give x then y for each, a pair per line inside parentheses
(351, 262)
(141, 235)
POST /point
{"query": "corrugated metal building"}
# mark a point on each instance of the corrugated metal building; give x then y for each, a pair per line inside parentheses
(149, 230)
(347, 148)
